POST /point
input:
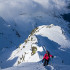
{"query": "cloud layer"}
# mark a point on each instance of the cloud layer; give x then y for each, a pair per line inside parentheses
(12, 8)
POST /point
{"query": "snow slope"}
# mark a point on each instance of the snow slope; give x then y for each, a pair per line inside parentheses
(50, 31)
(38, 66)
(9, 35)
(43, 39)
(29, 66)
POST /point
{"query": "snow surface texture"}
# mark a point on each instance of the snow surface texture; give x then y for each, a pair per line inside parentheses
(19, 44)
(40, 39)
(25, 49)
(37, 66)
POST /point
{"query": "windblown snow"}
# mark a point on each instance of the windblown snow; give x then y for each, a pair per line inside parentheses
(30, 27)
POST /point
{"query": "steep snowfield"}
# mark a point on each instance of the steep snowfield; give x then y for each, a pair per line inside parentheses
(9, 35)
(43, 38)
(28, 28)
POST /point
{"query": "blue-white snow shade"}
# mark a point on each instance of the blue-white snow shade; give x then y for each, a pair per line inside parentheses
(17, 20)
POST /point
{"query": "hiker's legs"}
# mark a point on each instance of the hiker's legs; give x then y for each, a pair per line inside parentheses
(47, 62)
(44, 62)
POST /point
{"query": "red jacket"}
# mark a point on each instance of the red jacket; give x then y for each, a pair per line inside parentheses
(47, 57)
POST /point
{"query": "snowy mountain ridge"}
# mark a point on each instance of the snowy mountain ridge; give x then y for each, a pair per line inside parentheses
(30, 53)
(30, 48)
(28, 28)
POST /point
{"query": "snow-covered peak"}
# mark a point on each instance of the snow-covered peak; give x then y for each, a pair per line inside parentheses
(54, 33)
(50, 31)
(35, 43)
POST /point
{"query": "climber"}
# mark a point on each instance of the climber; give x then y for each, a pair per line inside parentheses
(46, 58)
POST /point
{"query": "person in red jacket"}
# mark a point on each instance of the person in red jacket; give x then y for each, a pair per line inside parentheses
(46, 58)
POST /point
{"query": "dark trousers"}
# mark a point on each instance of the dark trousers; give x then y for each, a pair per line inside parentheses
(45, 62)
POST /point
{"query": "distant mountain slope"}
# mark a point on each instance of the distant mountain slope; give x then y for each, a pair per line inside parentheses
(9, 35)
